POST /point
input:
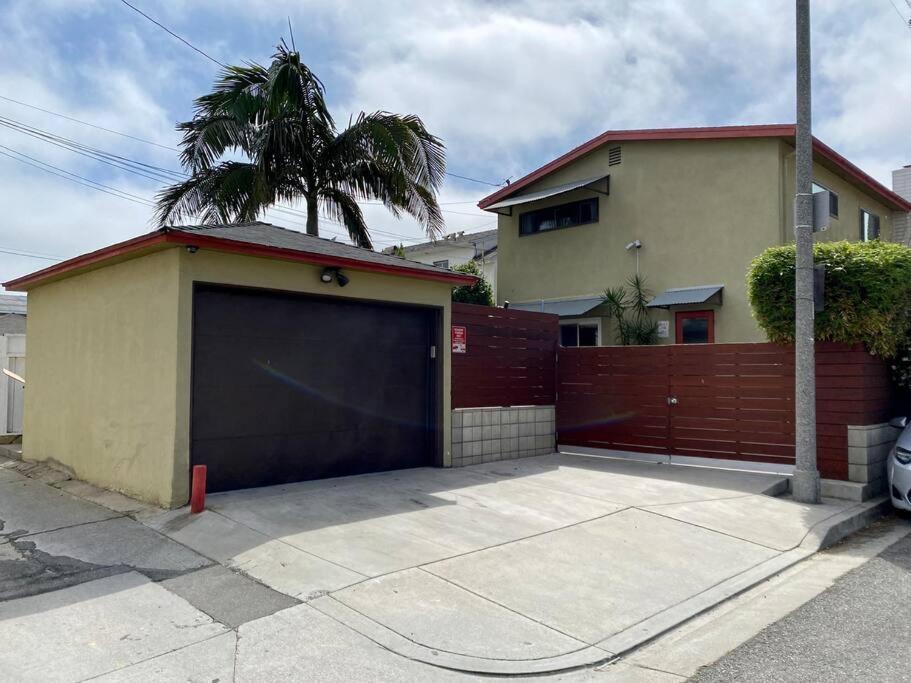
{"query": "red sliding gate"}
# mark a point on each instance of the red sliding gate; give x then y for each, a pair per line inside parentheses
(730, 401)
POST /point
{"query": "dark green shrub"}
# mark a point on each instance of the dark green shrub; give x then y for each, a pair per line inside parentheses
(479, 293)
(867, 294)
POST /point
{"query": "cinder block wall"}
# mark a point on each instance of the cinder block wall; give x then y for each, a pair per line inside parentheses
(490, 434)
(868, 448)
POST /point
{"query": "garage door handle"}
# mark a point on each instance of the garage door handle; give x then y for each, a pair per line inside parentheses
(672, 400)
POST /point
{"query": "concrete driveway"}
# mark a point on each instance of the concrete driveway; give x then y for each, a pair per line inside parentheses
(519, 566)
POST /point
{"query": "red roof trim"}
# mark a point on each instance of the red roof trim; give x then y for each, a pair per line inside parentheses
(84, 260)
(785, 130)
(861, 177)
(234, 246)
(178, 237)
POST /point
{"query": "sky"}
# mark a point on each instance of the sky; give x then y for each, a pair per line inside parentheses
(507, 85)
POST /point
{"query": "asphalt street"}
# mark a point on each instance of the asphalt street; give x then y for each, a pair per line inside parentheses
(857, 630)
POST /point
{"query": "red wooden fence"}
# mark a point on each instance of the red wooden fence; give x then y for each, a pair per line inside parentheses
(510, 357)
(731, 401)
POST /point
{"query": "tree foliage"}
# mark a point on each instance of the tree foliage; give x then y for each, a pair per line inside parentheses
(276, 118)
(626, 305)
(867, 294)
(479, 293)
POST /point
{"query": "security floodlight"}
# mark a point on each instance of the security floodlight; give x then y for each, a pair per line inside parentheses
(341, 279)
(327, 275)
(635, 244)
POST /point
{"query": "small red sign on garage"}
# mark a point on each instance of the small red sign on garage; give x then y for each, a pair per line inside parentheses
(459, 339)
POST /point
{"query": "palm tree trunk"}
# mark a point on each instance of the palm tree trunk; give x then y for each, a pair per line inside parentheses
(312, 216)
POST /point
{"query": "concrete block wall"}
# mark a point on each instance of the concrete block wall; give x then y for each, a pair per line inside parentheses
(490, 434)
(868, 448)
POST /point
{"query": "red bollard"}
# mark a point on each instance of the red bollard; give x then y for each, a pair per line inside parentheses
(198, 489)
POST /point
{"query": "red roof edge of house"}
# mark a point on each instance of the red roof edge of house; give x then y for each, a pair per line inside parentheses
(176, 236)
(783, 130)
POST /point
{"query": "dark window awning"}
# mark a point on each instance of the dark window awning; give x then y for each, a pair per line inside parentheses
(599, 183)
(562, 307)
(682, 296)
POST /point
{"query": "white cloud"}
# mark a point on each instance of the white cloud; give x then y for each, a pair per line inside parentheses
(507, 84)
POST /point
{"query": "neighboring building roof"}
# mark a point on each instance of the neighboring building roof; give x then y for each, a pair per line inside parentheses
(563, 307)
(685, 295)
(12, 323)
(787, 130)
(454, 239)
(254, 239)
(12, 303)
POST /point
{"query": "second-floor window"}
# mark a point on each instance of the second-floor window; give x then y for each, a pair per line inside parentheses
(833, 199)
(562, 216)
(869, 226)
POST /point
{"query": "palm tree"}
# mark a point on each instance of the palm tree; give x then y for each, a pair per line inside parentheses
(278, 119)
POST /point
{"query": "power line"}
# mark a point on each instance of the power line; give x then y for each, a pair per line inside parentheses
(167, 30)
(86, 123)
(475, 180)
(207, 56)
(175, 149)
(158, 173)
(148, 171)
(22, 253)
(75, 178)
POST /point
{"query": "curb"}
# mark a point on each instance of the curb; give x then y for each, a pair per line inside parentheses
(820, 536)
(838, 527)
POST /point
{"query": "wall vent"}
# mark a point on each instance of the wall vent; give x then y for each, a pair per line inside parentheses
(613, 156)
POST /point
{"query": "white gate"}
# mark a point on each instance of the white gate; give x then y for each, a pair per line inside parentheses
(12, 357)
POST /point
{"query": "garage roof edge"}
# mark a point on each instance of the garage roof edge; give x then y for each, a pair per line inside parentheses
(176, 236)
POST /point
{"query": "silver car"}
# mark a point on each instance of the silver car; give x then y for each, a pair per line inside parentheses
(899, 465)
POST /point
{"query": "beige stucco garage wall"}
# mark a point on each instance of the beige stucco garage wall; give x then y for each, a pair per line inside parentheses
(110, 361)
(101, 395)
(702, 209)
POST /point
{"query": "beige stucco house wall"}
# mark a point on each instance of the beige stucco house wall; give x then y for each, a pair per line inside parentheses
(703, 209)
(109, 360)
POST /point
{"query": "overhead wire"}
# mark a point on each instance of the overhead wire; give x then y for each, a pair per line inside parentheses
(157, 173)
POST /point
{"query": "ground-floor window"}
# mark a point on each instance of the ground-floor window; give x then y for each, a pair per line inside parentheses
(580, 333)
(695, 327)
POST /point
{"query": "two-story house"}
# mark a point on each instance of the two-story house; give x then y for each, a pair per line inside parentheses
(687, 208)
(456, 249)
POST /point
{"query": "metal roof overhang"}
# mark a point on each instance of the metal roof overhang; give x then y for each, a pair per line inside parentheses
(561, 307)
(599, 184)
(687, 295)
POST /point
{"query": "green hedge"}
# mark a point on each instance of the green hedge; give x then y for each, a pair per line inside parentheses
(867, 294)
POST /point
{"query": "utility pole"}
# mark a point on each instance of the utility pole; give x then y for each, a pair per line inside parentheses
(806, 477)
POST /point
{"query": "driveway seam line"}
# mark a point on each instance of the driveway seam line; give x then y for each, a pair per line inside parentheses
(525, 538)
(440, 649)
(716, 531)
(478, 550)
(160, 654)
(507, 608)
(701, 500)
(283, 542)
(61, 528)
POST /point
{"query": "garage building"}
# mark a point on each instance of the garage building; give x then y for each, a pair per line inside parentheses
(268, 355)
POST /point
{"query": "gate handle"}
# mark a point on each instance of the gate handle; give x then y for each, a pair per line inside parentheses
(672, 400)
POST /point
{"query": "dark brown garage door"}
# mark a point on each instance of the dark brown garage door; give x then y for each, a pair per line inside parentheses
(289, 387)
